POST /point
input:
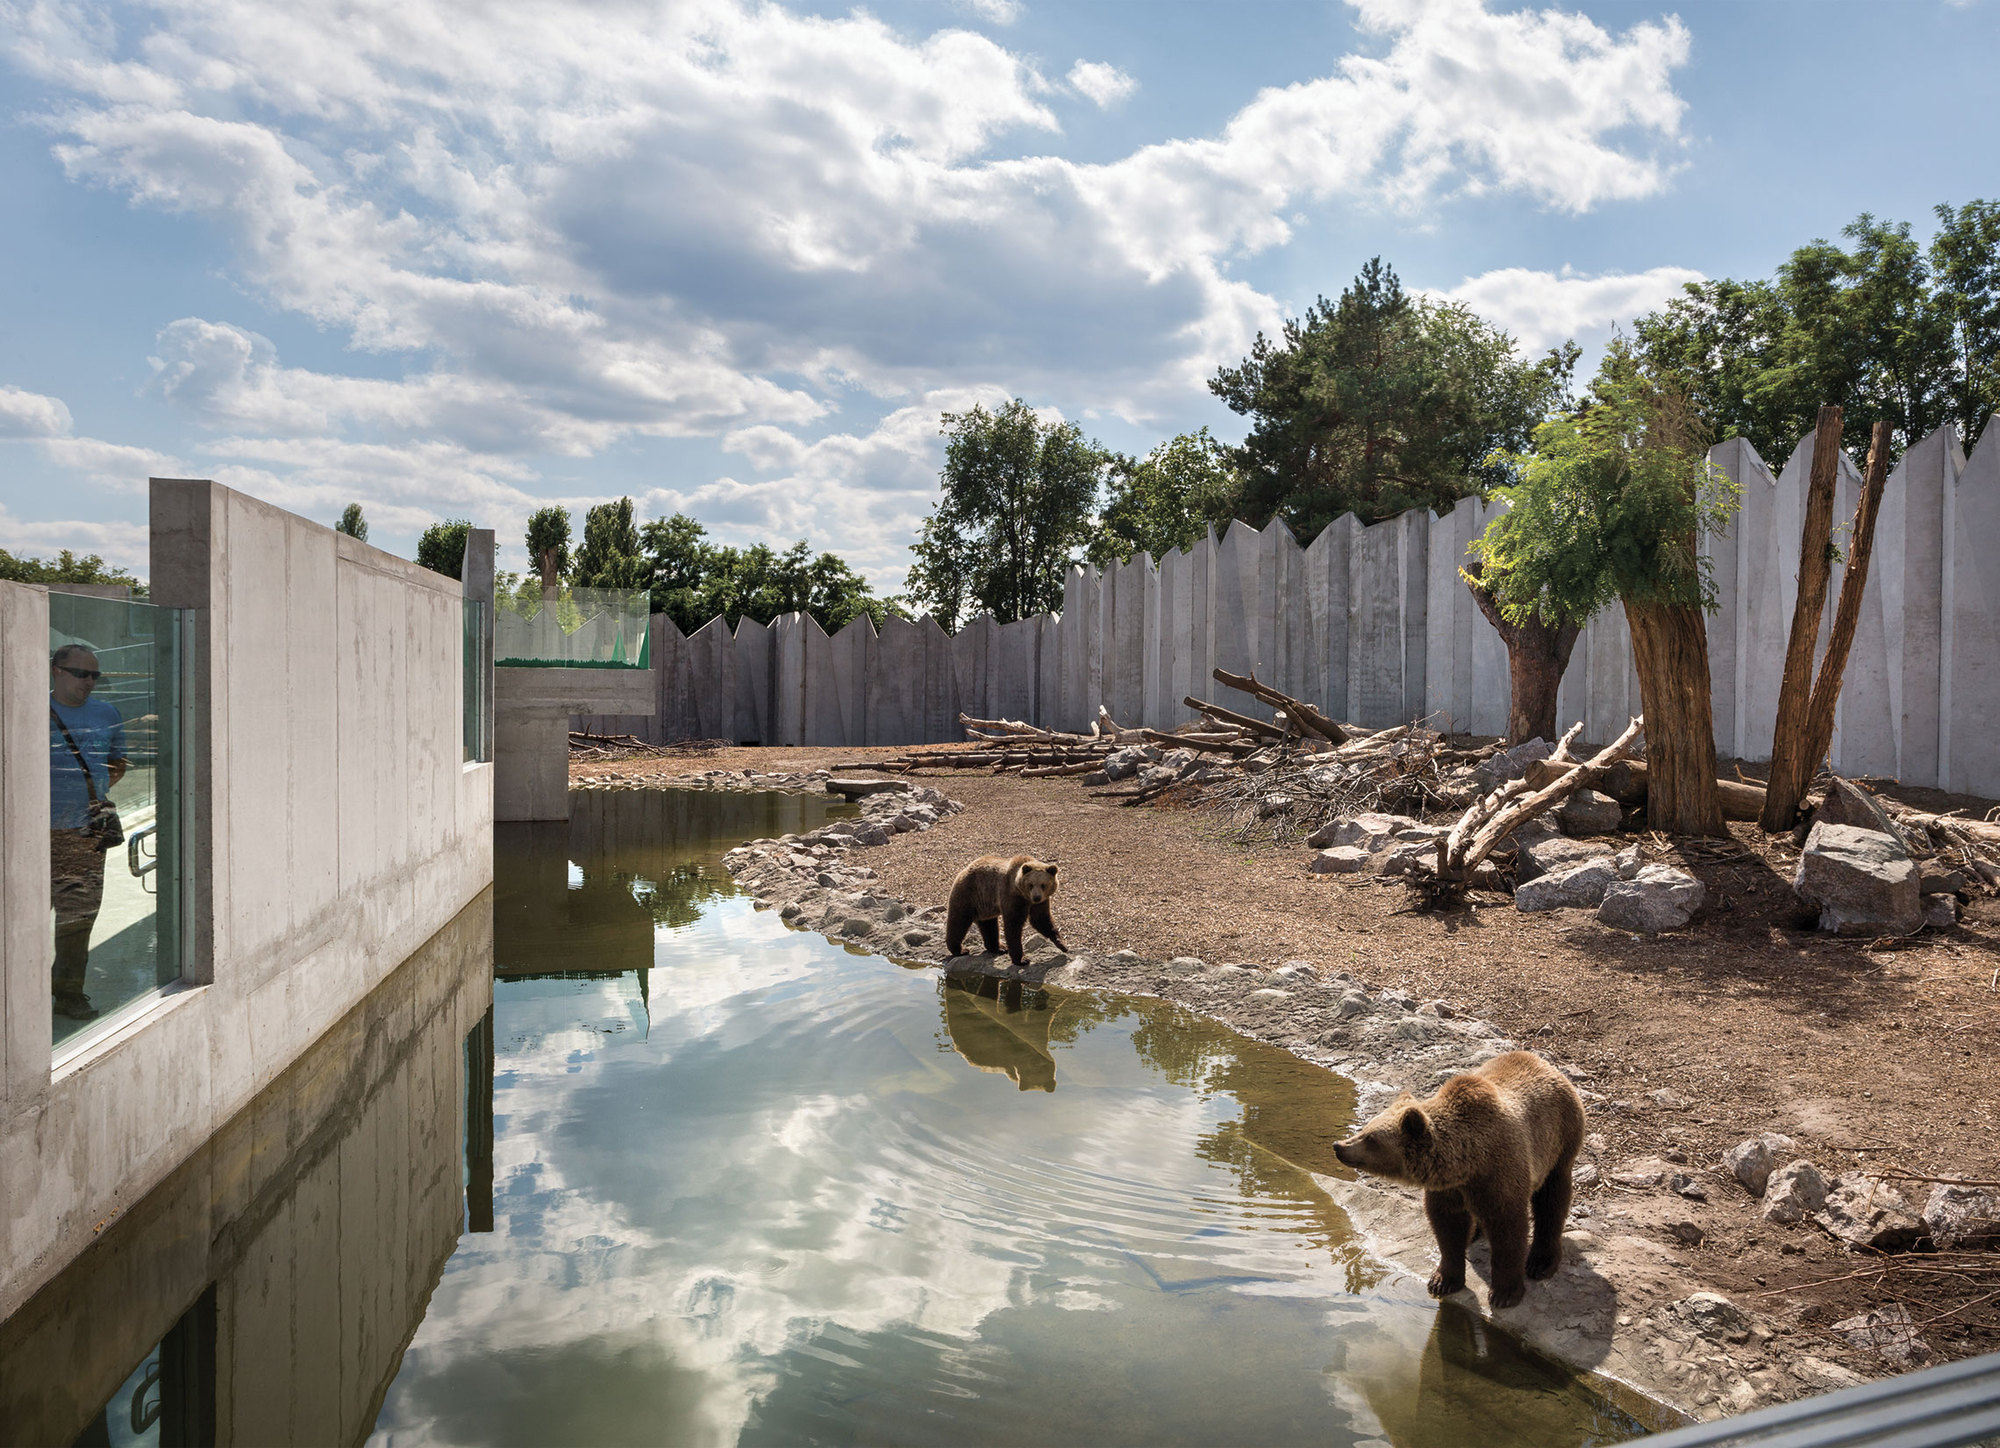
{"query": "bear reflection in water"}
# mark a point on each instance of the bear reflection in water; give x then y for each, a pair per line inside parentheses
(1001, 1026)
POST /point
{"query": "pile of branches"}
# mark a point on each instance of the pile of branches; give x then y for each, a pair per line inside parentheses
(1009, 746)
(585, 745)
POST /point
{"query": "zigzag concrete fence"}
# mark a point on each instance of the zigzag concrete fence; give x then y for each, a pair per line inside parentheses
(1374, 625)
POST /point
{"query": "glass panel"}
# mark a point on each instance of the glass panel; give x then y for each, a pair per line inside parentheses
(115, 888)
(579, 628)
(478, 684)
(169, 1399)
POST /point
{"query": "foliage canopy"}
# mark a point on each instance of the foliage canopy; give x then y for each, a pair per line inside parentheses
(352, 523)
(65, 567)
(442, 546)
(1018, 501)
(547, 538)
(611, 556)
(1167, 499)
(1885, 329)
(694, 580)
(1609, 506)
(1381, 402)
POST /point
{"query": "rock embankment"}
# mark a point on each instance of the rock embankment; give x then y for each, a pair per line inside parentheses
(1625, 1305)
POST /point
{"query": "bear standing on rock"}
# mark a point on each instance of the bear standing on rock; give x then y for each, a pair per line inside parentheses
(994, 888)
(1493, 1148)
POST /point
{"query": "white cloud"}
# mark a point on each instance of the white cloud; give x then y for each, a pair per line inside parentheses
(1104, 84)
(1542, 309)
(996, 12)
(30, 414)
(575, 227)
(121, 544)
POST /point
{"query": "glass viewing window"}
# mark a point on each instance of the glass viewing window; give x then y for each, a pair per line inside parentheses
(572, 628)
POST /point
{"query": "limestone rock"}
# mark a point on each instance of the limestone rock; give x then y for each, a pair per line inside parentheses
(1403, 856)
(1587, 812)
(1940, 912)
(1934, 879)
(1628, 861)
(1711, 1315)
(1657, 898)
(1887, 1331)
(1575, 887)
(1369, 832)
(1185, 965)
(1862, 881)
(1963, 1218)
(1354, 1003)
(1793, 1192)
(1340, 860)
(1547, 854)
(1648, 1172)
(1752, 1162)
(1864, 1211)
(1496, 770)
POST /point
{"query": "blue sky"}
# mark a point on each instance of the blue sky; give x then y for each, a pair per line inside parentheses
(463, 260)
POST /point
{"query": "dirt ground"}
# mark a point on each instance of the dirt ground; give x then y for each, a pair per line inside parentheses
(1877, 1055)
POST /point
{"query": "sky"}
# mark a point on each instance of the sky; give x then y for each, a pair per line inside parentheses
(736, 260)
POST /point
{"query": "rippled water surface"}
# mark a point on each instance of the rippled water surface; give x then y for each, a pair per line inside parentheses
(748, 1186)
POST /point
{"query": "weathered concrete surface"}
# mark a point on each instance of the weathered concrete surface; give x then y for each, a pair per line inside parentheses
(1375, 626)
(335, 828)
(532, 713)
(321, 1213)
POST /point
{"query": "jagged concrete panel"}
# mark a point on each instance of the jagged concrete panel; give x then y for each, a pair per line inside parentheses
(1234, 611)
(1151, 644)
(939, 700)
(1376, 650)
(896, 699)
(1913, 588)
(1123, 639)
(755, 660)
(713, 687)
(1048, 670)
(854, 676)
(1448, 622)
(971, 654)
(1738, 462)
(1969, 761)
(1279, 560)
(1413, 536)
(1492, 684)
(820, 694)
(1013, 671)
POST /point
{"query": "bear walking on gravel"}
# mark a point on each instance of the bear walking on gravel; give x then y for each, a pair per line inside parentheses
(1492, 1149)
(994, 888)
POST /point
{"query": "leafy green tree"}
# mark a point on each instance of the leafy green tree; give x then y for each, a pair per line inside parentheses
(611, 556)
(694, 580)
(1166, 500)
(442, 546)
(352, 523)
(548, 544)
(1965, 260)
(1882, 327)
(1017, 505)
(1609, 507)
(1382, 402)
(65, 567)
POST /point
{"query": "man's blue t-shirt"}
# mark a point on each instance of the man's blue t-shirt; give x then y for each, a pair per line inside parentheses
(99, 731)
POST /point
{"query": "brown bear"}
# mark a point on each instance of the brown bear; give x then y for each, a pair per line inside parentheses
(994, 888)
(1491, 1149)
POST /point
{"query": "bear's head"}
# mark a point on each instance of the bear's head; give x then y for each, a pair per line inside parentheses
(1035, 880)
(1397, 1144)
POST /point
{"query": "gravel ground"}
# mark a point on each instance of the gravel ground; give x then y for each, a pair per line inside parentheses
(1867, 1055)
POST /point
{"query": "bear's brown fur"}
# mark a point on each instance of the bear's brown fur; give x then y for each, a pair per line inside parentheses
(1493, 1149)
(994, 888)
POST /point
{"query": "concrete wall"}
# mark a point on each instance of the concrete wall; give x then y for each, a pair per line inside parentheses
(322, 1214)
(1375, 626)
(335, 827)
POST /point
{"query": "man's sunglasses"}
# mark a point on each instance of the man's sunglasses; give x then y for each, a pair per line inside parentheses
(81, 673)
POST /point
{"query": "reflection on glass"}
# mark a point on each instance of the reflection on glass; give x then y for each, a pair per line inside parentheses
(574, 628)
(308, 1233)
(115, 807)
(477, 690)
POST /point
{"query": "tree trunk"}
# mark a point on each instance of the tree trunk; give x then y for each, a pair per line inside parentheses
(1670, 651)
(1802, 742)
(1789, 768)
(1537, 655)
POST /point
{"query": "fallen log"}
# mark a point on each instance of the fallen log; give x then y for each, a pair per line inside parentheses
(1230, 716)
(1204, 744)
(1048, 771)
(1625, 781)
(1298, 711)
(1490, 821)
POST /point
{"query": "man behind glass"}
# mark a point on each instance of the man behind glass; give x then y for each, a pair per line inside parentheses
(76, 857)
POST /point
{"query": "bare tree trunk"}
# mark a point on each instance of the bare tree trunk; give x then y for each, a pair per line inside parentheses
(1537, 655)
(1801, 742)
(1789, 769)
(1670, 651)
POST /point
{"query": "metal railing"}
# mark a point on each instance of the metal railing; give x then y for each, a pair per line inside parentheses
(1941, 1407)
